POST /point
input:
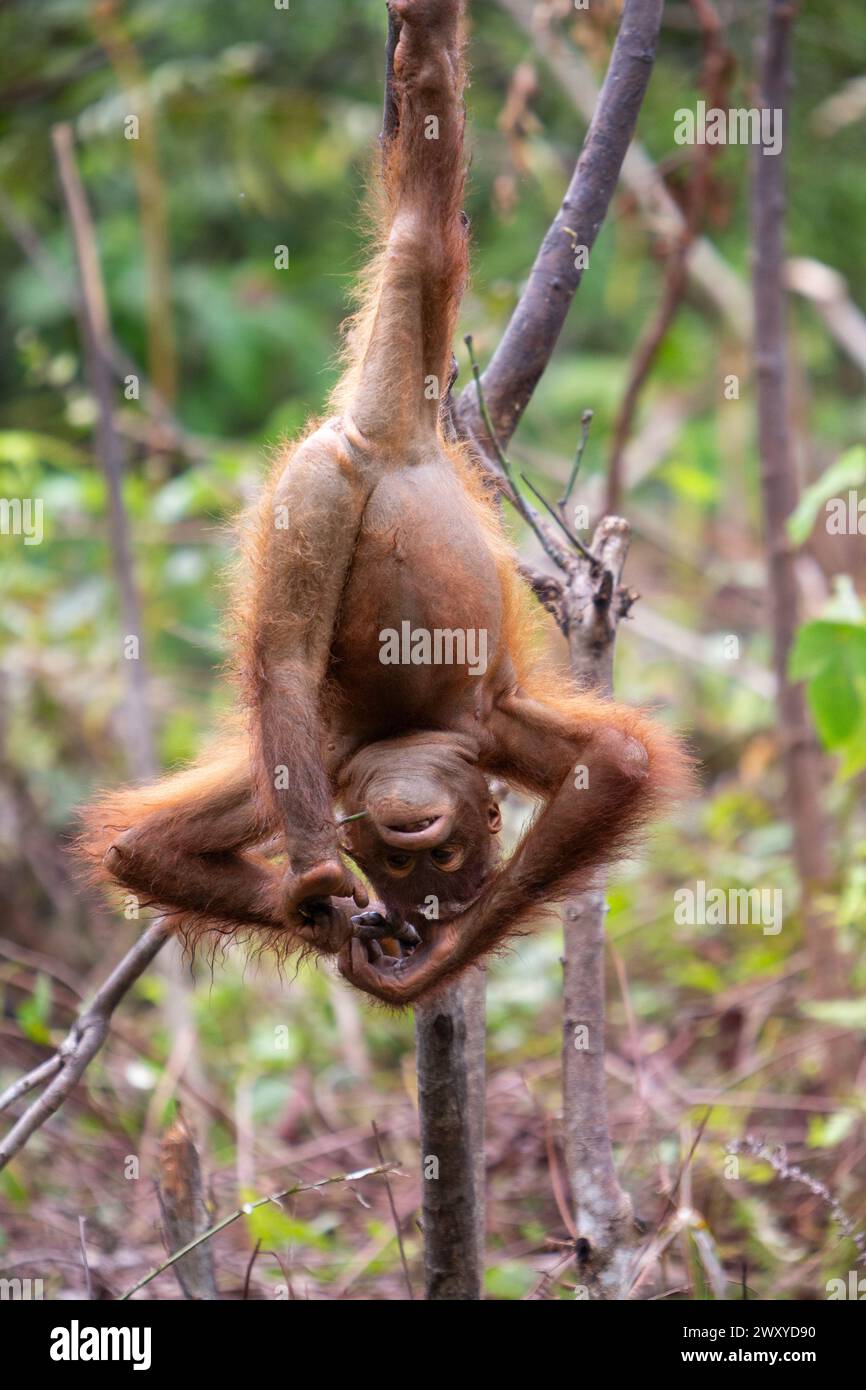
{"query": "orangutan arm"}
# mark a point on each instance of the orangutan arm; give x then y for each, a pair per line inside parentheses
(603, 771)
(309, 530)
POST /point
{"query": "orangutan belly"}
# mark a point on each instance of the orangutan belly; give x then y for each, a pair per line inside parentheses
(422, 612)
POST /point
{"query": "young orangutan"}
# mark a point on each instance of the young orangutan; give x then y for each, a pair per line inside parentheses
(374, 525)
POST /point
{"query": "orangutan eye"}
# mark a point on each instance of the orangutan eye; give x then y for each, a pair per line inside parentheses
(399, 864)
(448, 857)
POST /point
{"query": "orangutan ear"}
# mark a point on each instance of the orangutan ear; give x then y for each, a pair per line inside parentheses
(494, 818)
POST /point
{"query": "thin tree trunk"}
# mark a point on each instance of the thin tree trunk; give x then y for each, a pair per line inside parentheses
(804, 769)
(603, 1213)
(449, 1034)
(95, 327)
(587, 607)
(133, 80)
(96, 342)
(522, 356)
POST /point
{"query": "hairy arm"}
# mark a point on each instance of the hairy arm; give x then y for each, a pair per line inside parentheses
(309, 529)
(602, 770)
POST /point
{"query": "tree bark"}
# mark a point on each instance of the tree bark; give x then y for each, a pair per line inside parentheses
(710, 274)
(451, 1079)
(524, 352)
(603, 1214)
(184, 1212)
(96, 340)
(86, 1036)
(803, 762)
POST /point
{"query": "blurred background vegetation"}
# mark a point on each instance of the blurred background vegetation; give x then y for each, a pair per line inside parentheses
(264, 123)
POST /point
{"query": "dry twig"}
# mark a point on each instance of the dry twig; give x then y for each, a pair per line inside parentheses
(81, 1044)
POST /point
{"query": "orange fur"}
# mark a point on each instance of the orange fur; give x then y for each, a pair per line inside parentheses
(386, 518)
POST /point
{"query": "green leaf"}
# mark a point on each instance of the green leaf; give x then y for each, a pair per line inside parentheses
(691, 483)
(835, 705)
(25, 448)
(13, 1190)
(34, 1012)
(509, 1281)
(847, 472)
(826, 1131)
(854, 754)
(844, 1013)
(273, 1226)
(831, 657)
(822, 643)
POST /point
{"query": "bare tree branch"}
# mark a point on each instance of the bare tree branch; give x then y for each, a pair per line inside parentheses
(521, 357)
(603, 1212)
(802, 758)
(394, 1214)
(504, 478)
(276, 1197)
(96, 338)
(123, 56)
(81, 1044)
(165, 430)
(529, 340)
(804, 764)
(27, 1083)
(721, 285)
(715, 69)
(826, 289)
(588, 603)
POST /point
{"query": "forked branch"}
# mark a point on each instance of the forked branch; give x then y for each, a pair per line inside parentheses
(81, 1044)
